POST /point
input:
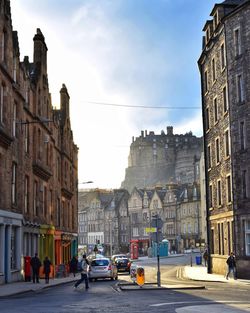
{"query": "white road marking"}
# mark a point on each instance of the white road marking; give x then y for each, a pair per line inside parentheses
(197, 302)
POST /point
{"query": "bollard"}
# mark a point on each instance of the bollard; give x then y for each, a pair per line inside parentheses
(140, 276)
(133, 272)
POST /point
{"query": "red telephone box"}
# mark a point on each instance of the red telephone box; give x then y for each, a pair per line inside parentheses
(134, 249)
(27, 268)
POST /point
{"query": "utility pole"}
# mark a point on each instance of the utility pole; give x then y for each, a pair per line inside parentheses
(157, 223)
(110, 236)
(158, 254)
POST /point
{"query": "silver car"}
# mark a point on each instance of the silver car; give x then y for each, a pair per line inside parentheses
(102, 268)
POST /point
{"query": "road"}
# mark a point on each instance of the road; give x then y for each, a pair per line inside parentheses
(104, 296)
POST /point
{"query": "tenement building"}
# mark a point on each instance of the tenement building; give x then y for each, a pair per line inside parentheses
(225, 78)
(161, 159)
(38, 161)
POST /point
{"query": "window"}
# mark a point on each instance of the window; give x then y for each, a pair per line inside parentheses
(14, 120)
(4, 40)
(226, 143)
(215, 111)
(207, 119)
(135, 232)
(217, 150)
(58, 213)
(237, 42)
(209, 157)
(247, 236)
(15, 69)
(13, 248)
(210, 196)
(222, 56)
(244, 184)
(229, 189)
(216, 20)
(205, 81)
(155, 204)
(26, 137)
(219, 192)
(35, 198)
(219, 238)
(13, 183)
(240, 89)
(45, 203)
(225, 99)
(51, 206)
(26, 194)
(2, 91)
(242, 135)
(213, 70)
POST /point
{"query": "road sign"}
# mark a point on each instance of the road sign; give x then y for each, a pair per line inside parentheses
(154, 237)
(151, 229)
(157, 222)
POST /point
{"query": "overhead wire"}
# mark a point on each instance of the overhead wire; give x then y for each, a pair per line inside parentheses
(143, 106)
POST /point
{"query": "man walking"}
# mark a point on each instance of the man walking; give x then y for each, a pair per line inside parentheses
(84, 273)
(35, 264)
(231, 263)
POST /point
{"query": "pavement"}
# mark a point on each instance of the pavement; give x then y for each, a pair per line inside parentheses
(18, 288)
(195, 273)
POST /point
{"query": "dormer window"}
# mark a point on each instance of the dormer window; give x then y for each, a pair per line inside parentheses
(216, 19)
(207, 35)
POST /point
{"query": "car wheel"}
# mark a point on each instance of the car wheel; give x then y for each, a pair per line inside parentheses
(112, 278)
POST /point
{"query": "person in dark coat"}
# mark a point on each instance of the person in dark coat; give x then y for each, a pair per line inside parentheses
(205, 256)
(73, 265)
(46, 269)
(35, 264)
(231, 263)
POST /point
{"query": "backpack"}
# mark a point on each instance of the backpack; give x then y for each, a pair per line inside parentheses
(79, 266)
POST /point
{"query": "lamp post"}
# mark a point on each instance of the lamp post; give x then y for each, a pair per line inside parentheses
(86, 182)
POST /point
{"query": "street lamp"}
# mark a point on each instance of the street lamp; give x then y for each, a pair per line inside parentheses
(86, 182)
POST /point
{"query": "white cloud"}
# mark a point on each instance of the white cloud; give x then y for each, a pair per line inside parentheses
(105, 60)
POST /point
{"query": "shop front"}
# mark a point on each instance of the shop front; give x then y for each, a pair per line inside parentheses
(46, 247)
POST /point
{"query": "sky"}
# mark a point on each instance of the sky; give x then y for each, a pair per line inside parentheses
(131, 53)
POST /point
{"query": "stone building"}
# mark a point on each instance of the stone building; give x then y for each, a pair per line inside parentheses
(103, 220)
(178, 206)
(162, 159)
(38, 160)
(225, 79)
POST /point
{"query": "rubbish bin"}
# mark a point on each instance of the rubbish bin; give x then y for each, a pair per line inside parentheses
(198, 260)
(27, 268)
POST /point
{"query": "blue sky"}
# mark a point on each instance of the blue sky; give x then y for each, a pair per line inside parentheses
(128, 52)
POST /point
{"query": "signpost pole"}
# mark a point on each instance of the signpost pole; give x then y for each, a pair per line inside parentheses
(158, 254)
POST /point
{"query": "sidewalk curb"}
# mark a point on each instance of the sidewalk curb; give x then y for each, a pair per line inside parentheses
(153, 286)
(22, 292)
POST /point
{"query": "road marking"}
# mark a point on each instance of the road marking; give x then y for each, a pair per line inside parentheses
(197, 302)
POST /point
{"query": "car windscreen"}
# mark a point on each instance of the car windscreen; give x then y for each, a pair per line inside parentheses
(100, 262)
(121, 260)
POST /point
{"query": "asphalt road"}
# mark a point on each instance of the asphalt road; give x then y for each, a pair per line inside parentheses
(104, 296)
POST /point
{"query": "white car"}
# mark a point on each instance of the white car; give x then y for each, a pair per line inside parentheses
(102, 268)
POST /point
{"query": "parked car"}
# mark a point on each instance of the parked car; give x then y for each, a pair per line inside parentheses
(102, 268)
(115, 256)
(123, 264)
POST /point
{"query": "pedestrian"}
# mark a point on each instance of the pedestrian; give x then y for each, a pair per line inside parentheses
(205, 257)
(73, 265)
(84, 273)
(35, 264)
(46, 269)
(231, 263)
